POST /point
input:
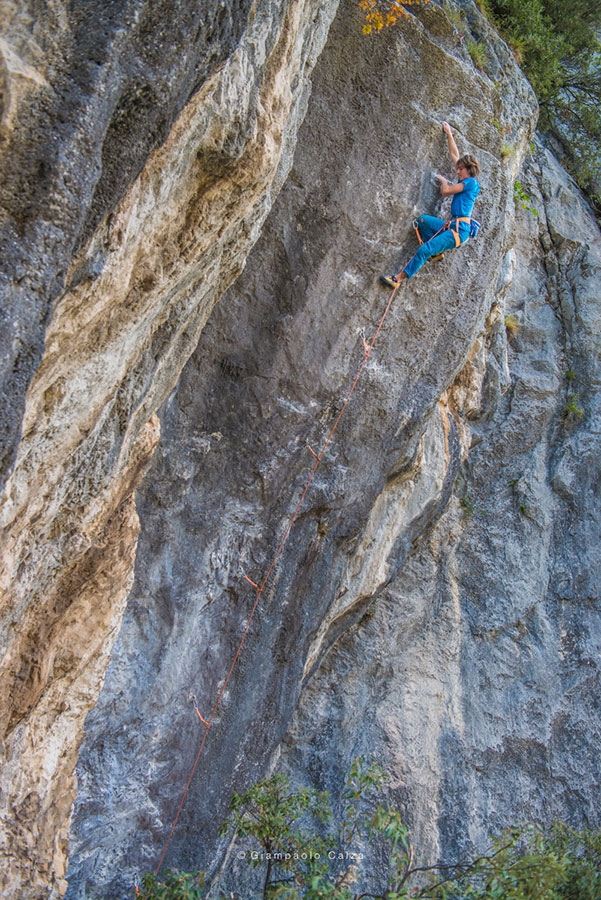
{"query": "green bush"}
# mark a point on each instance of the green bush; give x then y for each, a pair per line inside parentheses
(292, 835)
(520, 196)
(299, 855)
(572, 407)
(478, 53)
(557, 45)
(285, 824)
(172, 886)
(530, 864)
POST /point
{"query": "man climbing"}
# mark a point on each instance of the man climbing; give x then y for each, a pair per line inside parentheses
(435, 235)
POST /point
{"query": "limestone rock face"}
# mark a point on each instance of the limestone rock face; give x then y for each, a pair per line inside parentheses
(415, 613)
(477, 677)
(435, 605)
(88, 90)
(142, 154)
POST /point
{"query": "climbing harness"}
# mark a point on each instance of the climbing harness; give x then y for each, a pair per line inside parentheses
(453, 226)
(260, 588)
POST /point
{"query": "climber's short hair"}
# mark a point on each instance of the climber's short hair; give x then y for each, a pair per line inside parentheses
(471, 164)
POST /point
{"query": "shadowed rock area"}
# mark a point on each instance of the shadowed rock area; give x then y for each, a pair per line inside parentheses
(88, 91)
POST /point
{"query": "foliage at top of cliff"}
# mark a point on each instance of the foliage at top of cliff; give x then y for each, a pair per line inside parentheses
(384, 13)
(557, 44)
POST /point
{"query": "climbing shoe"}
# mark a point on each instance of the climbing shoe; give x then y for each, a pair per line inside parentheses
(389, 281)
(438, 257)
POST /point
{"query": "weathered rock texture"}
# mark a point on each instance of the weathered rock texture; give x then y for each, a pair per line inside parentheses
(457, 502)
(477, 677)
(105, 330)
(87, 90)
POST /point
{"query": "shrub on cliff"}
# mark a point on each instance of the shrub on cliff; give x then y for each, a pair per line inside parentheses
(383, 13)
(557, 44)
(300, 859)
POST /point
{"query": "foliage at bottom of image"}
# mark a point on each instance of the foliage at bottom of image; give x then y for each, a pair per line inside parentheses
(173, 886)
(293, 840)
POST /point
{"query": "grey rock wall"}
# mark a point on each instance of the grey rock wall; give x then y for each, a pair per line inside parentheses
(436, 604)
(457, 503)
(88, 91)
(476, 679)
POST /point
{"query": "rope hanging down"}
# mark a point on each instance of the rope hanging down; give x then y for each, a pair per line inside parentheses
(260, 588)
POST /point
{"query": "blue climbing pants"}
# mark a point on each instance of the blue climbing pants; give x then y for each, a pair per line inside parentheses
(433, 243)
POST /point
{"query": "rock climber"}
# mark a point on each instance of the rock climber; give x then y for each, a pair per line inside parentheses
(435, 235)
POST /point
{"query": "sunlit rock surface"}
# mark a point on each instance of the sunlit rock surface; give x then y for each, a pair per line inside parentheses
(477, 677)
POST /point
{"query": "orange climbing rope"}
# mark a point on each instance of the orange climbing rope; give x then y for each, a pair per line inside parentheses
(260, 588)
